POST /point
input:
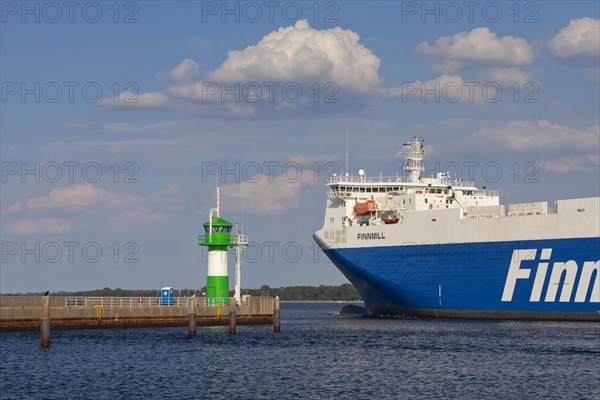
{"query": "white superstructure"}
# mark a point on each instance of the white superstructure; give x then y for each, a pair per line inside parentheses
(387, 211)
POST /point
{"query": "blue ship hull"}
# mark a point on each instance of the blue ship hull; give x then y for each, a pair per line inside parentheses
(478, 280)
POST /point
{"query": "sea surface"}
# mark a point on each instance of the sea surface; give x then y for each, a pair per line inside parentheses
(317, 355)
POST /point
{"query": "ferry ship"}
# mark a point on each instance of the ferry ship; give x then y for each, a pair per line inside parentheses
(432, 246)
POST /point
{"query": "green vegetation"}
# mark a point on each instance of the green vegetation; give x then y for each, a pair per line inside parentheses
(344, 292)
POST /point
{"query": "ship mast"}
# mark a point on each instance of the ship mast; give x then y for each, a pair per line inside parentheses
(413, 164)
(346, 153)
(242, 242)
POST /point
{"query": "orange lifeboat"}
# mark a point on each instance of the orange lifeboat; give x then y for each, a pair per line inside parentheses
(366, 207)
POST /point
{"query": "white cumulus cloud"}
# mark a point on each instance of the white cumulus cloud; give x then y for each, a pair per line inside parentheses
(444, 88)
(31, 226)
(480, 45)
(506, 76)
(302, 54)
(542, 134)
(568, 164)
(448, 67)
(579, 42)
(131, 100)
(268, 197)
(96, 206)
(186, 69)
(80, 197)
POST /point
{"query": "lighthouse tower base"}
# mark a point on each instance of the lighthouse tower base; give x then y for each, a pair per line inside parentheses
(217, 283)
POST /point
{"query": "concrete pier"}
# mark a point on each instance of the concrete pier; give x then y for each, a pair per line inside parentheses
(24, 312)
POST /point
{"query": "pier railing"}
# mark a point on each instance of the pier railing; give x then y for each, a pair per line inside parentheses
(115, 302)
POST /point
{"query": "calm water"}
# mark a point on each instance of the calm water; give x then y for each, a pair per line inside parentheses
(316, 356)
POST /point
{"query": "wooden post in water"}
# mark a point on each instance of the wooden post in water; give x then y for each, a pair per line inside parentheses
(45, 325)
(192, 318)
(276, 315)
(232, 322)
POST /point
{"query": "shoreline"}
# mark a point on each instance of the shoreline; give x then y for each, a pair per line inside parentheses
(322, 301)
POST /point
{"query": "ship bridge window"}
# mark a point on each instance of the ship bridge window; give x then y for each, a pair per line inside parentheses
(361, 190)
(368, 190)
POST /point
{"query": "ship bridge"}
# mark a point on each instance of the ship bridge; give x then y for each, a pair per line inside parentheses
(367, 200)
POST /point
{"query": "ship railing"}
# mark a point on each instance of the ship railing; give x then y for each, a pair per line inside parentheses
(341, 179)
(365, 179)
(486, 193)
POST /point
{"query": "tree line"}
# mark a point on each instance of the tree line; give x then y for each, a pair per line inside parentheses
(344, 292)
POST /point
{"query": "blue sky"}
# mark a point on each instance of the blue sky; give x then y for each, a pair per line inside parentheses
(136, 93)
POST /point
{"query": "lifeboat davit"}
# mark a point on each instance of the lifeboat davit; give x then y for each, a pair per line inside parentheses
(366, 207)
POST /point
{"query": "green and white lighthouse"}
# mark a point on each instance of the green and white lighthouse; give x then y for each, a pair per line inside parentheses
(217, 238)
